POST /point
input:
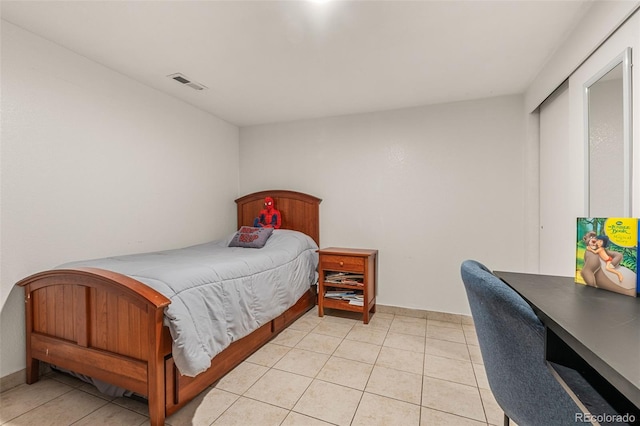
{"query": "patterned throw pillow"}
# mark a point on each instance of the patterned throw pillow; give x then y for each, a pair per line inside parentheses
(250, 237)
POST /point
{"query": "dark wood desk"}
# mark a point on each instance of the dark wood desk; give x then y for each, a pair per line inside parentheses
(602, 327)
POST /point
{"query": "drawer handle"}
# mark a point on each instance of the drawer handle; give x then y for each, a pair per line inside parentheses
(341, 263)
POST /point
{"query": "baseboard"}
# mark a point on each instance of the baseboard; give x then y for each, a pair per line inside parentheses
(18, 378)
(12, 380)
(419, 313)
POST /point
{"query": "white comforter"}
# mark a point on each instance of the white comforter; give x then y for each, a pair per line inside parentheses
(220, 294)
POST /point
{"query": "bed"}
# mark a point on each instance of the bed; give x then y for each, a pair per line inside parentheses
(111, 327)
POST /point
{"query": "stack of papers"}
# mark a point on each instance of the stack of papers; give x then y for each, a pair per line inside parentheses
(353, 297)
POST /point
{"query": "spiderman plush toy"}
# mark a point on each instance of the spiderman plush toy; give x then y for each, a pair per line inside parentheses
(269, 217)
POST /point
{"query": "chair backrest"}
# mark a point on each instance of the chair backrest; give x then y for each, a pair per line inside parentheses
(511, 339)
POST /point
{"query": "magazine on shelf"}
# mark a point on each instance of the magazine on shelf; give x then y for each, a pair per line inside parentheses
(607, 254)
(344, 295)
(344, 278)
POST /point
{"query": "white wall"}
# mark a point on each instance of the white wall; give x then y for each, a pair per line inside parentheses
(428, 187)
(95, 164)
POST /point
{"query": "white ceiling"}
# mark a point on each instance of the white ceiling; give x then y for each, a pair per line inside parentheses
(274, 61)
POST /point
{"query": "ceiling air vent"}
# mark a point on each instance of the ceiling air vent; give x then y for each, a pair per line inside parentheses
(183, 79)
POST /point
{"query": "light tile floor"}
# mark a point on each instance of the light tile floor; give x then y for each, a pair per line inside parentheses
(397, 370)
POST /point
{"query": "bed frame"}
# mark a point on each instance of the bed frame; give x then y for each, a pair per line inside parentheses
(110, 327)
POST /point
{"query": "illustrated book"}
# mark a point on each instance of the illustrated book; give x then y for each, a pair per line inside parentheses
(607, 254)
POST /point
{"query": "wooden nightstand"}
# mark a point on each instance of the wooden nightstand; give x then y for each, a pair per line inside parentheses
(347, 280)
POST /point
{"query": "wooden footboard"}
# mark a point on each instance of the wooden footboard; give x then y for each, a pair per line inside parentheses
(110, 327)
(101, 324)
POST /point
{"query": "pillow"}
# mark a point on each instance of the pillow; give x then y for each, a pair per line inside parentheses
(250, 237)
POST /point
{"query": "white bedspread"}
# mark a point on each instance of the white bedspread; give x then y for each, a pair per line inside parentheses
(220, 294)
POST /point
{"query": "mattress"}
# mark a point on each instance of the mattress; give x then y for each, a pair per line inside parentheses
(220, 294)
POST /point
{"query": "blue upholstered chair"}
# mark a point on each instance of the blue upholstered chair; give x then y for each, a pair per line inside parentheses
(511, 339)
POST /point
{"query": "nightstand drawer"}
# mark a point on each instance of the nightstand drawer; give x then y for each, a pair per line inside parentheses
(342, 263)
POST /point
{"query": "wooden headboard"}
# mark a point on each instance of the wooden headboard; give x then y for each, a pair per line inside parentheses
(300, 212)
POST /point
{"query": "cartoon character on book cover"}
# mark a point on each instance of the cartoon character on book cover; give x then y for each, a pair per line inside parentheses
(607, 254)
